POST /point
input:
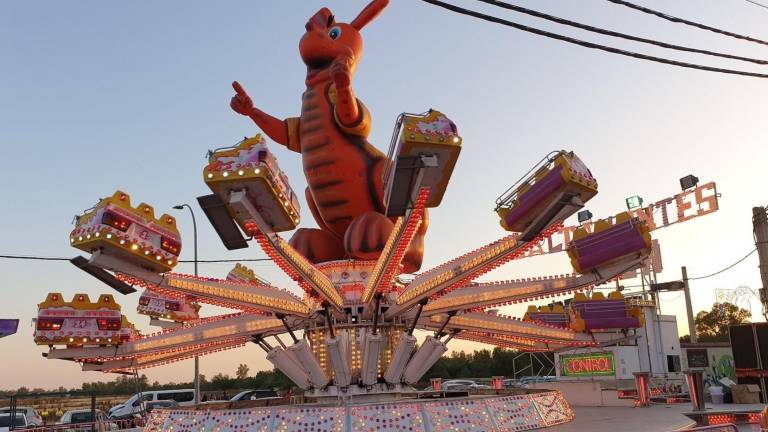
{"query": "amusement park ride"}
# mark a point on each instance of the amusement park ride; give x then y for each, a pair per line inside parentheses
(353, 331)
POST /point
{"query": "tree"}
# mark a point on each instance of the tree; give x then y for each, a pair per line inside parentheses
(242, 372)
(712, 326)
(485, 364)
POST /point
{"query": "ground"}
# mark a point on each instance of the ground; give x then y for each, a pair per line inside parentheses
(657, 418)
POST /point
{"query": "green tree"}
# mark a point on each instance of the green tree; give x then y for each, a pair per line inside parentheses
(242, 372)
(712, 325)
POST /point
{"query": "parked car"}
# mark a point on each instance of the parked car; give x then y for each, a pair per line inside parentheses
(458, 384)
(135, 404)
(84, 415)
(526, 381)
(33, 418)
(511, 383)
(255, 394)
(19, 422)
(162, 404)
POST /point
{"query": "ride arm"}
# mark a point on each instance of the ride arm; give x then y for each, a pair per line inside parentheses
(503, 325)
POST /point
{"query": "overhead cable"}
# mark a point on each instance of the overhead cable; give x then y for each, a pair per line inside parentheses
(739, 261)
(757, 4)
(586, 44)
(612, 33)
(727, 268)
(687, 22)
(47, 258)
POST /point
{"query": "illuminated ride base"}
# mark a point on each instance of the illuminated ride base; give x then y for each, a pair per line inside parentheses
(349, 342)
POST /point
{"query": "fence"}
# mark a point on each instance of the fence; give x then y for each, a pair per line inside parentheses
(716, 428)
(99, 426)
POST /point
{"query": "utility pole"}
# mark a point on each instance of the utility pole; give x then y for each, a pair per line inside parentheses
(689, 307)
(760, 226)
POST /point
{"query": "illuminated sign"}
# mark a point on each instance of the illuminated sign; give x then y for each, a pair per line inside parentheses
(682, 207)
(588, 364)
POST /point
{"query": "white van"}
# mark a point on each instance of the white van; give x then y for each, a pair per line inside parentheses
(135, 404)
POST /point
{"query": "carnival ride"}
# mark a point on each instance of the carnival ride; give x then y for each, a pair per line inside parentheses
(357, 317)
(163, 308)
(81, 322)
(116, 230)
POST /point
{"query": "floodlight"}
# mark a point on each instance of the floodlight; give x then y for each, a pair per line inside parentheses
(689, 181)
(216, 211)
(584, 216)
(634, 202)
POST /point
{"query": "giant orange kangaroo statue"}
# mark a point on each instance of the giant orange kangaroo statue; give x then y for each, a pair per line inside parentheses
(342, 169)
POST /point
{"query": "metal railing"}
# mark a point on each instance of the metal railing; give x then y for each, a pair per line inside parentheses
(389, 162)
(509, 195)
(98, 426)
(729, 427)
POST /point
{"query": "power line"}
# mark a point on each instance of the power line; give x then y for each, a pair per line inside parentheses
(586, 44)
(227, 260)
(739, 261)
(677, 297)
(686, 22)
(758, 4)
(47, 258)
(612, 33)
(727, 268)
(30, 257)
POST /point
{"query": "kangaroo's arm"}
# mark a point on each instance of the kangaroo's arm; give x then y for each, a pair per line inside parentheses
(351, 115)
(283, 132)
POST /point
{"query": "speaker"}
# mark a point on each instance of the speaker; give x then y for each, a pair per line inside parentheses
(762, 343)
(743, 346)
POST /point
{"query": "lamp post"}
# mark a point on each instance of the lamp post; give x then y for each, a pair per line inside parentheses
(197, 358)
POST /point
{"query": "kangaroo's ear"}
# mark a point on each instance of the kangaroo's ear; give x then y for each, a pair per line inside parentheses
(368, 14)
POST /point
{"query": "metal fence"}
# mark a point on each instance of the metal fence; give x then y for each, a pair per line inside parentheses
(99, 426)
(716, 428)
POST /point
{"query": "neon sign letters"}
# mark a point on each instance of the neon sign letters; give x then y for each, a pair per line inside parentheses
(589, 364)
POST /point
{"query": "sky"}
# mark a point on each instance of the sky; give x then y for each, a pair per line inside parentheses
(96, 96)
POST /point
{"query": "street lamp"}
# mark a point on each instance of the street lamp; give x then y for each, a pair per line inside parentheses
(197, 358)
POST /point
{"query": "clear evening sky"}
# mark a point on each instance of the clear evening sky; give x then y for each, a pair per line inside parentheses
(96, 96)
